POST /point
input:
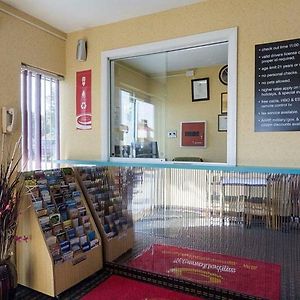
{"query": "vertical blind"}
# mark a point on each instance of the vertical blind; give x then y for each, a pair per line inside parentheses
(40, 118)
(187, 222)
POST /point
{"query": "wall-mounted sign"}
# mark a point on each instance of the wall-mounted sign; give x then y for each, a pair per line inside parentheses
(277, 86)
(193, 133)
(83, 100)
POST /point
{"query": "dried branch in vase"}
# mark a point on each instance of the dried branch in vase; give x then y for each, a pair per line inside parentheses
(10, 195)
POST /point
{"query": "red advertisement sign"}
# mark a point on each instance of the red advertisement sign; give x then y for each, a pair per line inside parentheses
(83, 100)
(193, 134)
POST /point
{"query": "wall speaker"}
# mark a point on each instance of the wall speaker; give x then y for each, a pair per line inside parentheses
(81, 52)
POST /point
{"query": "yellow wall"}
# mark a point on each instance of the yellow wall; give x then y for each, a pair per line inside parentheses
(181, 108)
(24, 43)
(258, 21)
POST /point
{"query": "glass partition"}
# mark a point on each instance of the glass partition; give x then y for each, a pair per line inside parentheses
(232, 230)
(137, 106)
(167, 105)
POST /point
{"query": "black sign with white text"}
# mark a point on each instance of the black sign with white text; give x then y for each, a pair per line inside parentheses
(277, 86)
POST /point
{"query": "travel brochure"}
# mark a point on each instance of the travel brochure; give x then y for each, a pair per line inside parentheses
(105, 189)
(62, 216)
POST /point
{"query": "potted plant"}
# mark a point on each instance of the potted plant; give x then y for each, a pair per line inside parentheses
(10, 195)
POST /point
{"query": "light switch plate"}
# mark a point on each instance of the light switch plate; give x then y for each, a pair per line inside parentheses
(172, 134)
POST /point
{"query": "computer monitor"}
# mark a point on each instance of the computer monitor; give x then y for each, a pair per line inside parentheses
(146, 150)
(122, 151)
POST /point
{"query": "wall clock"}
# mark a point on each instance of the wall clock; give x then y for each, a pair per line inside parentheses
(223, 75)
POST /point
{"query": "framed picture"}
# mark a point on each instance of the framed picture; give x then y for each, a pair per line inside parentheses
(200, 89)
(193, 134)
(222, 122)
(224, 103)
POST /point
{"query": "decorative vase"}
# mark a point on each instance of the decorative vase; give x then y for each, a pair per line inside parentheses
(8, 280)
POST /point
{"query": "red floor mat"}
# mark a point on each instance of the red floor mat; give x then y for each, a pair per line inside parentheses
(118, 287)
(251, 277)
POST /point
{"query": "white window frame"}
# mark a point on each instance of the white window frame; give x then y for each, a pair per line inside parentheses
(227, 35)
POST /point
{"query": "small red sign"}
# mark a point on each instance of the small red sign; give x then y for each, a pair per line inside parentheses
(83, 100)
(193, 134)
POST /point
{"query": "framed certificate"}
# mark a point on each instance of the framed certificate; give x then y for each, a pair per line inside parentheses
(224, 103)
(200, 89)
(222, 123)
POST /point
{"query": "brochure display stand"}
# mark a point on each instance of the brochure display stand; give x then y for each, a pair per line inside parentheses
(62, 244)
(106, 191)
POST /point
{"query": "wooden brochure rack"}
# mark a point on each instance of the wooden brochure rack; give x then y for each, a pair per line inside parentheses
(52, 269)
(106, 192)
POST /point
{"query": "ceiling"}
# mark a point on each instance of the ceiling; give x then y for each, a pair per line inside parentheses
(73, 15)
(192, 58)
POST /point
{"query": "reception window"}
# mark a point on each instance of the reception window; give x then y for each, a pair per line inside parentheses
(155, 90)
